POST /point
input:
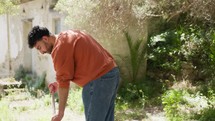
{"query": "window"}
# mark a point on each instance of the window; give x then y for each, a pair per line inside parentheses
(56, 25)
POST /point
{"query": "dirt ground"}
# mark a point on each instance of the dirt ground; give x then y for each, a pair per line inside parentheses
(26, 108)
(45, 114)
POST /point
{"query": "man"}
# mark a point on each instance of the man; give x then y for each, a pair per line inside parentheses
(79, 58)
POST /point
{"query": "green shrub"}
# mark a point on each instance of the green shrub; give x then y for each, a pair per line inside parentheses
(21, 74)
(35, 84)
(75, 100)
(131, 94)
(164, 52)
(190, 44)
(153, 89)
(207, 89)
(172, 100)
(207, 114)
(180, 105)
(130, 101)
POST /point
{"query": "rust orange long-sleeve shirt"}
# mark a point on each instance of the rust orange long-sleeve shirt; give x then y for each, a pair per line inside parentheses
(79, 58)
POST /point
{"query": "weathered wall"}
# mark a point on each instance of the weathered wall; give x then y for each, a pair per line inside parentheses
(4, 66)
(31, 13)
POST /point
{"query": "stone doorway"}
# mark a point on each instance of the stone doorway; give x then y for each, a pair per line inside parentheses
(27, 25)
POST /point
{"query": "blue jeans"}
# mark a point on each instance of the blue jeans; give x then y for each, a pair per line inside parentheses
(99, 96)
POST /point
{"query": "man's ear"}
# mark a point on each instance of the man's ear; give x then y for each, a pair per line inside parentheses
(45, 38)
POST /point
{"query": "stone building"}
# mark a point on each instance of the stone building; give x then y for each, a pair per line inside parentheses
(13, 38)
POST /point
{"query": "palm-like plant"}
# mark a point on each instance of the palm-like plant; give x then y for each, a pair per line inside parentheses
(134, 61)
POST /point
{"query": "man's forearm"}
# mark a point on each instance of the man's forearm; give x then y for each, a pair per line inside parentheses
(63, 95)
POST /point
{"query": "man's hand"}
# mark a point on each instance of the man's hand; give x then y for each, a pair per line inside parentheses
(57, 117)
(53, 87)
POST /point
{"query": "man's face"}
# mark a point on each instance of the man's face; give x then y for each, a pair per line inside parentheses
(44, 45)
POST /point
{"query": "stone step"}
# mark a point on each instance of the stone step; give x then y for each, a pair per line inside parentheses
(14, 90)
(8, 83)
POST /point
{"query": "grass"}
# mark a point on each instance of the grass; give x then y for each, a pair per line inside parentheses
(21, 105)
(5, 112)
(25, 107)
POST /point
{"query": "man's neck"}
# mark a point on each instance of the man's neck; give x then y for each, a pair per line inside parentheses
(53, 39)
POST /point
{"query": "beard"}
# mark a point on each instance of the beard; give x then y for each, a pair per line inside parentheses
(49, 48)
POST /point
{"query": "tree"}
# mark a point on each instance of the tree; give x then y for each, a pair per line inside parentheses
(106, 17)
(187, 12)
(117, 14)
(8, 6)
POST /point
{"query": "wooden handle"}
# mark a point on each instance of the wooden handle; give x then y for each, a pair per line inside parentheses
(53, 105)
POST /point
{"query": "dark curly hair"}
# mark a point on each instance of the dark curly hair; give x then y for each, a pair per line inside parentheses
(36, 34)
